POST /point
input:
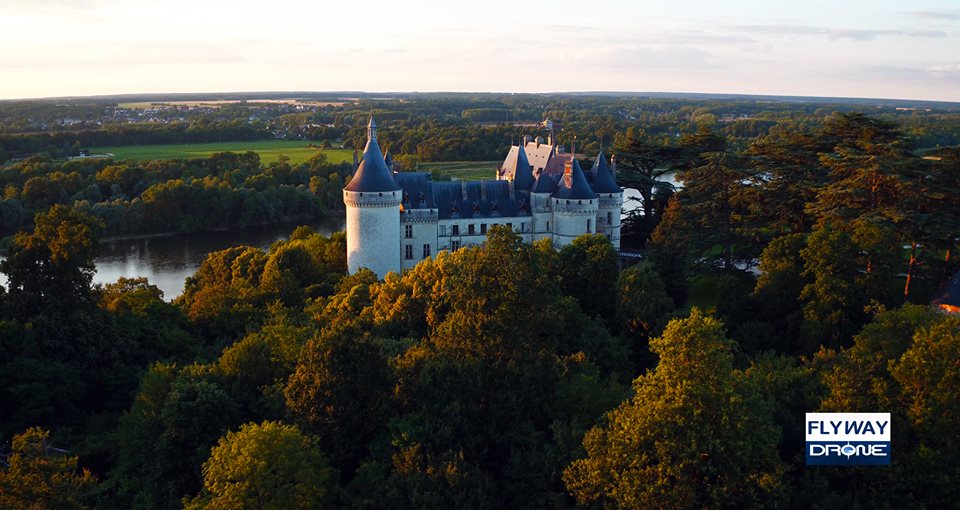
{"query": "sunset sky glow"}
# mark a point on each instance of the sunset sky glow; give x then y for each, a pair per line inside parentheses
(891, 49)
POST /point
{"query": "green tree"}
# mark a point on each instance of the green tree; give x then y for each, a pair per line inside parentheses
(832, 301)
(777, 293)
(267, 466)
(37, 476)
(786, 165)
(679, 442)
(904, 363)
(642, 301)
(668, 250)
(713, 197)
(340, 391)
(642, 162)
(588, 272)
(50, 270)
(163, 439)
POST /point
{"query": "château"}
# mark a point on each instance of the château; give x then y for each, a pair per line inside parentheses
(396, 219)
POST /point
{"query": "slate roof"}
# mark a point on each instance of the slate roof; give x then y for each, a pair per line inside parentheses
(541, 157)
(372, 175)
(545, 183)
(416, 186)
(949, 293)
(601, 177)
(462, 199)
(522, 173)
(575, 186)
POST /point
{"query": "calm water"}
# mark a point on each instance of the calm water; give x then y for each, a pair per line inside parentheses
(167, 261)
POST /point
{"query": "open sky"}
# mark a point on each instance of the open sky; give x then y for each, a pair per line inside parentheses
(876, 48)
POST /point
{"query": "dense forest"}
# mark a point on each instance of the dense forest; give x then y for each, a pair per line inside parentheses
(789, 274)
(227, 190)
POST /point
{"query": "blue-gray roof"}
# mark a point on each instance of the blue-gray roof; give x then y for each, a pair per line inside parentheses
(574, 186)
(417, 189)
(546, 183)
(603, 181)
(522, 175)
(372, 175)
(462, 199)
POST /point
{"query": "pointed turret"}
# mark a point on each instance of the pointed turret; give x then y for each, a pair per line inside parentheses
(388, 159)
(544, 184)
(603, 181)
(372, 175)
(573, 185)
(522, 174)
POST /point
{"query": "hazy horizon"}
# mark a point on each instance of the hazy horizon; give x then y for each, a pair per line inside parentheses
(75, 48)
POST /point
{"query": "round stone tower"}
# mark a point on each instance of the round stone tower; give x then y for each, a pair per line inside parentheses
(574, 206)
(373, 202)
(611, 200)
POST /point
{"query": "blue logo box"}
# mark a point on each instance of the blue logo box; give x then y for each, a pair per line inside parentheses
(848, 439)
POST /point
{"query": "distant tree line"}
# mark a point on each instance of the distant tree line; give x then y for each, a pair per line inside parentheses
(175, 195)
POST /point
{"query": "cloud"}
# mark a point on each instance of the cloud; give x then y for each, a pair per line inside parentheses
(648, 57)
(944, 72)
(857, 34)
(934, 15)
(144, 53)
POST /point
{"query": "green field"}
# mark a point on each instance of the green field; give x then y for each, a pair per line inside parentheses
(464, 170)
(269, 151)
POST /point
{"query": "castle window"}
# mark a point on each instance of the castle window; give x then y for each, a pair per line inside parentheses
(408, 231)
(443, 230)
(523, 226)
(548, 225)
(483, 228)
(579, 202)
(588, 226)
(426, 251)
(408, 252)
(609, 218)
(381, 194)
(510, 226)
(471, 230)
(454, 245)
(456, 230)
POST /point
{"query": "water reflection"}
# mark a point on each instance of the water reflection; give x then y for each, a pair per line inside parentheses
(167, 261)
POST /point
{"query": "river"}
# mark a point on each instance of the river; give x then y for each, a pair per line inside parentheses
(168, 261)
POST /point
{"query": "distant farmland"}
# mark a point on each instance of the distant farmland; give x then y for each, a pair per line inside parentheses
(464, 170)
(269, 151)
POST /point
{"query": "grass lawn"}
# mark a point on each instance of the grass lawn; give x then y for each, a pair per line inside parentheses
(464, 170)
(269, 151)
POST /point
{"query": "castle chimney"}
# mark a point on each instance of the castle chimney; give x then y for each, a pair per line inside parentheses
(613, 164)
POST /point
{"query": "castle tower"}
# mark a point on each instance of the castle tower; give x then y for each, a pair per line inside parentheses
(610, 198)
(541, 207)
(574, 206)
(373, 201)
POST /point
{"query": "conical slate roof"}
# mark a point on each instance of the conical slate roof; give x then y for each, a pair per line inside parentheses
(522, 175)
(575, 186)
(603, 181)
(372, 174)
(545, 183)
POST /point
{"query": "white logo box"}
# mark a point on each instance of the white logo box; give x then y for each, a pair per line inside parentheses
(820, 427)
